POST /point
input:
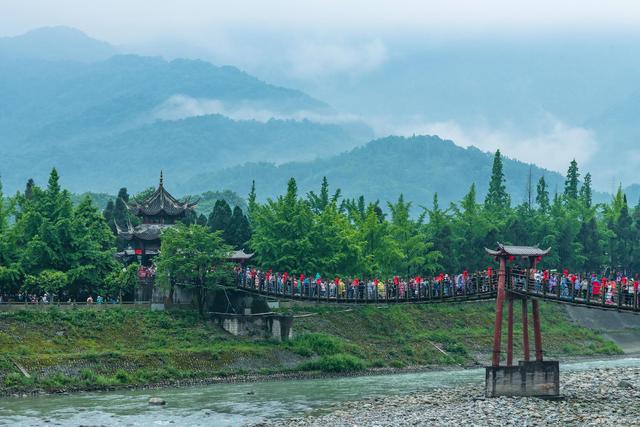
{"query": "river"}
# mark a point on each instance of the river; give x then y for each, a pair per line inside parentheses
(235, 404)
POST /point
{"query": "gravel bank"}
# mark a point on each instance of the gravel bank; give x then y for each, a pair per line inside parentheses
(603, 397)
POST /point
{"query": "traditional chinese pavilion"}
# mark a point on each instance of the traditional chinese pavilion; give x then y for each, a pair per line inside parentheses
(157, 212)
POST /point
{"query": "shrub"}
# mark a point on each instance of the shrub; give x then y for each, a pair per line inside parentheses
(15, 379)
(123, 376)
(335, 363)
(316, 343)
(88, 376)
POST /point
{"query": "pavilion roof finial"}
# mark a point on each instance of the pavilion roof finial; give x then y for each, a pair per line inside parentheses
(161, 178)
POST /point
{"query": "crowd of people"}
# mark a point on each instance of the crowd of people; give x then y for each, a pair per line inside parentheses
(395, 287)
(47, 298)
(604, 288)
(145, 272)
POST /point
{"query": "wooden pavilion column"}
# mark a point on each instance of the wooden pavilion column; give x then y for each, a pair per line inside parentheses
(510, 333)
(497, 330)
(536, 318)
(536, 329)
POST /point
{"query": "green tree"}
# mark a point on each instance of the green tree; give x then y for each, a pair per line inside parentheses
(281, 232)
(50, 281)
(238, 233)
(418, 256)
(439, 231)
(220, 218)
(586, 194)
(122, 281)
(381, 251)
(542, 195)
(497, 197)
(572, 182)
(195, 258)
(92, 257)
(336, 247)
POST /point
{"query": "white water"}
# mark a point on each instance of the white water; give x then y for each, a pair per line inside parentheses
(235, 404)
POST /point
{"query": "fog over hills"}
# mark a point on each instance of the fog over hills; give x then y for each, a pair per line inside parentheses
(108, 118)
(103, 122)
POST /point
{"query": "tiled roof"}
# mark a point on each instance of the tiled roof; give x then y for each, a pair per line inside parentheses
(161, 201)
(241, 254)
(518, 250)
(143, 231)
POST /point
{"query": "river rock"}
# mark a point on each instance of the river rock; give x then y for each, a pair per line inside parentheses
(157, 401)
(463, 405)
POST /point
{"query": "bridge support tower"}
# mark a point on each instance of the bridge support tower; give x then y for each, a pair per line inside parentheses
(529, 378)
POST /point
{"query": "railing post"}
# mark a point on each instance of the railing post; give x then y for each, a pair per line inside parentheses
(619, 287)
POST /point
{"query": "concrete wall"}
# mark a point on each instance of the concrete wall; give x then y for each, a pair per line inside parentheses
(540, 379)
(623, 328)
(268, 325)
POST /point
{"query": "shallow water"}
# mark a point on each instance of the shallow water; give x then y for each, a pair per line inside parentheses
(235, 404)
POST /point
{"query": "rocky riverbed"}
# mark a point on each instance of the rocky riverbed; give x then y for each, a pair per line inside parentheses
(603, 397)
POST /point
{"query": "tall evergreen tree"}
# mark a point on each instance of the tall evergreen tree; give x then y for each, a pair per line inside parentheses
(572, 181)
(542, 195)
(586, 193)
(251, 202)
(439, 231)
(623, 245)
(220, 218)
(238, 233)
(320, 201)
(497, 197)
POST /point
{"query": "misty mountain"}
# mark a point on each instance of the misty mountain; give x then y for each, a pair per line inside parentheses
(56, 43)
(124, 118)
(417, 167)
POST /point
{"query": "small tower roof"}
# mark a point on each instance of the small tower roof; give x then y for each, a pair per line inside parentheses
(161, 201)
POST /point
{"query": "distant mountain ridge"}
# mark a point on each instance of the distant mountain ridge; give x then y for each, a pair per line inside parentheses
(112, 122)
(418, 167)
(55, 44)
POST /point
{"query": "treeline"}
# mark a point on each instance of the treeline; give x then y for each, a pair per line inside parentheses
(233, 225)
(48, 244)
(328, 234)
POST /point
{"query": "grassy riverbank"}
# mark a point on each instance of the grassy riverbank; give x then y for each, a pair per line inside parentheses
(90, 348)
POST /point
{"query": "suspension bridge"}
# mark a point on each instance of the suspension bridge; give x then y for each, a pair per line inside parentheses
(509, 283)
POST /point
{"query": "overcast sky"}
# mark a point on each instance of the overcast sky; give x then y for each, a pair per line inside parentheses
(126, 21)
(309, 44)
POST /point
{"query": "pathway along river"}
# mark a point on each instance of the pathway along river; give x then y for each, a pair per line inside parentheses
(236, 404)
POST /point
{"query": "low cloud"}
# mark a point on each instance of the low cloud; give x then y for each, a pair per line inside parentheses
(180, 107)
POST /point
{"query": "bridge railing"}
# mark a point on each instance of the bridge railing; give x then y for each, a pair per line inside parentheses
(519, 282)
(613, 295)
(476, 286)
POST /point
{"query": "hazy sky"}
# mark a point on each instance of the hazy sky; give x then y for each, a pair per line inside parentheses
(311, 44)
(126, 21)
